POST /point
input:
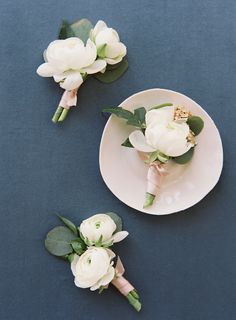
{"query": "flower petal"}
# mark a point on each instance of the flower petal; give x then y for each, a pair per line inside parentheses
(73, 264)
(119, 236)
(73, 80)
(107, 35)
(160, 116)
(45, 70)
(100, 25)
(98, 66)
(114, 50)
(138, 141)
(105, 280)
(113, 61)
(110, 253)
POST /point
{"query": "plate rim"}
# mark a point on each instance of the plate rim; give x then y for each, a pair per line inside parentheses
(143, 209)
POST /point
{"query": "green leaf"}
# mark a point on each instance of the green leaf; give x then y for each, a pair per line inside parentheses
(81, 29)
(117, 220)
(58, 241)
(65, 30)
(99, 242)
(196, 124)
(78, 246)
(186, 157)
(162, 106)
(114, 74)
(127, 143)
(119, 112)
(140, 114)
(70, 257)
(69, 224)
(136, 119)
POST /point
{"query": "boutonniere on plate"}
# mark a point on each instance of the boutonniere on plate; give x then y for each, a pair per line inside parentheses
(82, 51)
(163, 133)
(87, 248)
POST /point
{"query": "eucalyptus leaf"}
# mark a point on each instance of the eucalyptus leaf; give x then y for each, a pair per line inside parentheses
(184, 158)
(111, 75)
(81, 29)
(119, 112)
(127, 143)
(136, 119)
(58, 241)
(69, 224)
(78, 246)
(196, 124)
(116, 219)
(65, 30)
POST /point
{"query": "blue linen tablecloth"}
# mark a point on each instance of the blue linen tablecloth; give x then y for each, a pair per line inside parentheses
(183, 265)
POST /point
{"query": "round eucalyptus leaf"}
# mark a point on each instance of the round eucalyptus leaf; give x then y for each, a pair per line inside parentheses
(116, 219)
(114, 74)
(184, 158)
(196, 124)
(81, 29)
(69, 224)
(58, 241)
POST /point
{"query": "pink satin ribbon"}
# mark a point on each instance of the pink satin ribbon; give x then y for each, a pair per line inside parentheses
(119, 281)
(68, 99)
(156, 173)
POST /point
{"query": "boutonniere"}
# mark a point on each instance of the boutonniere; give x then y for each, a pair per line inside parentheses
(82, 51)
(163, 133)
(87, 248)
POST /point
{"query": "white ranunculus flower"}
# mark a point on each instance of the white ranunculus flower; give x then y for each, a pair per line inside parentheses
(162, 134)
(93, 268)
(108, 43)
(101, 228)
(67, 60)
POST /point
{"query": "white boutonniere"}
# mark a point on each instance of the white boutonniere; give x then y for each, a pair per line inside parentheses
(87, 249)
(82, 51)
(163, 133)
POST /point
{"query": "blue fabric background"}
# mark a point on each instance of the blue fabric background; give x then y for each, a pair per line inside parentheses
(183, 265)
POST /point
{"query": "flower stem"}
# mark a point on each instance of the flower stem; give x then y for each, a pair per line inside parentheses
(134, 300)
(149, 198)
(60, 114)
(57, 114)
(63, 115)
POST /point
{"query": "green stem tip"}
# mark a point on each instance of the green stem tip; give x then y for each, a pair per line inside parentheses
(133, 299)
(60, 114)
(149, 198)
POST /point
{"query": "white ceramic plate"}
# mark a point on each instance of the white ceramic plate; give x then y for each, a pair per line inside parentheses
(125, 173)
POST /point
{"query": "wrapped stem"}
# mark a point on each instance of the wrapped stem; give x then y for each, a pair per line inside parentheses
(156, 173)
(128, 291)
(68, 100)
(125, 287)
